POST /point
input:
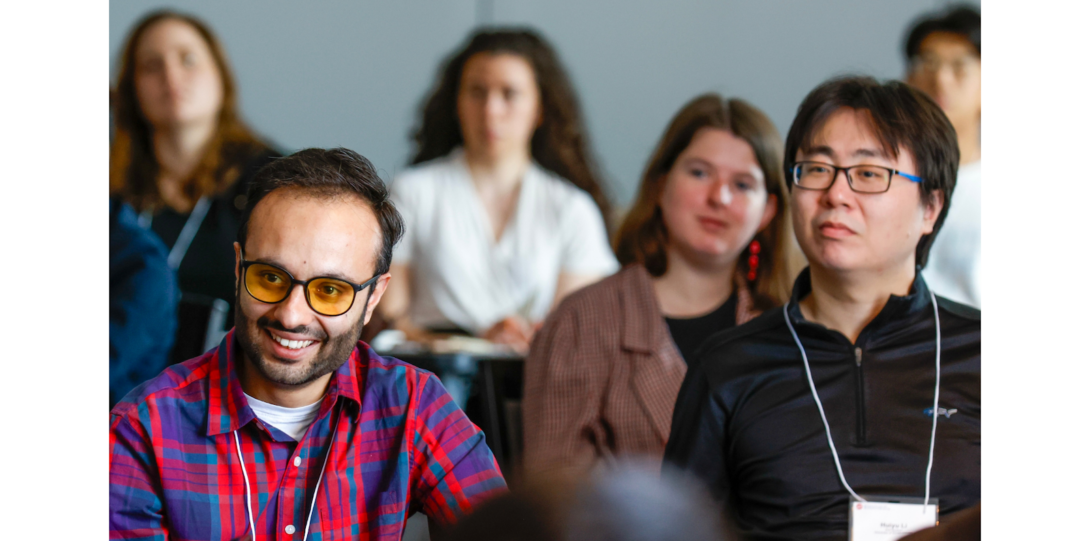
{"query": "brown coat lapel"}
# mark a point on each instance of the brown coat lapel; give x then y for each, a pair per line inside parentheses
(657, 366)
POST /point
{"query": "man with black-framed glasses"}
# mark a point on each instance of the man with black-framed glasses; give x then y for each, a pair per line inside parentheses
(854, 410)
(292, 428)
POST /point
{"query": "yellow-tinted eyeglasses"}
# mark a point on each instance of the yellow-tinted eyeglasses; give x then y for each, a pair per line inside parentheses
(327, 296)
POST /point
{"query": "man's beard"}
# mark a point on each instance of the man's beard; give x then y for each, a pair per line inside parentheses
(332, 353)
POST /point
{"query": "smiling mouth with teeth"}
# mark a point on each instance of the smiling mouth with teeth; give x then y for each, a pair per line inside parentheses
(291, 344)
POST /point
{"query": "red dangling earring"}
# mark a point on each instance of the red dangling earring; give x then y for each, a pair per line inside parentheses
(754, 249)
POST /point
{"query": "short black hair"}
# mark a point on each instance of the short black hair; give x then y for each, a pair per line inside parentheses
(961, 20)
(329, 173)
(902, 117)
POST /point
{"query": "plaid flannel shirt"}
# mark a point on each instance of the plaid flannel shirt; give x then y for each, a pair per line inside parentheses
(396, 444)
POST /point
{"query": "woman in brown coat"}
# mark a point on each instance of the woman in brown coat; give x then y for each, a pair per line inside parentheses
(706, 246)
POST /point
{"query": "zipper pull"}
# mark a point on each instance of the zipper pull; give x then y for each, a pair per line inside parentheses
(858, 356)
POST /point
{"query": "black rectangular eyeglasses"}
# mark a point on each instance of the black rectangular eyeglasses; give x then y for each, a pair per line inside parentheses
(861, 178)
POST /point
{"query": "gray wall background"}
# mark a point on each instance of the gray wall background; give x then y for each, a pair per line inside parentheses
(341, 73)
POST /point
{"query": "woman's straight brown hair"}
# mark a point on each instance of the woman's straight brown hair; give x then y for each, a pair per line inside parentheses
(134, 170)
(642, 237)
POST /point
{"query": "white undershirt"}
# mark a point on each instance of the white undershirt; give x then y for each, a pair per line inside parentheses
(462, 275)
(291, 421)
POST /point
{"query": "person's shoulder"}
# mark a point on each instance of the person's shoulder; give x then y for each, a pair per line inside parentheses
(730, 351)
(180, 386)
(768, 321)
(130, 242)
(558, 190)
(607, 289)
(388, 376)
(958, 310)
(426, 173)
(249, 159)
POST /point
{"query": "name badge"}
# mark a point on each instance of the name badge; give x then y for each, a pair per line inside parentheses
(877, 520)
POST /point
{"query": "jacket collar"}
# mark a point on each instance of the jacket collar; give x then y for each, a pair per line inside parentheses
(643, 328)
(897, 308)
(644, 331)
(228, 409)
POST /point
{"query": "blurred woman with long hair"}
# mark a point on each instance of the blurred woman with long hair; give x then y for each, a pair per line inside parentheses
(706, 246)
(181, 156)
(504, 210)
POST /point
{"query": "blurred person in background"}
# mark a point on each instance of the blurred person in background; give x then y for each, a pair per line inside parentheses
(627, 503)
(504, 210)
(181, 155)
(706, 246)
(865, 387)
(943, 51)
(143, 298)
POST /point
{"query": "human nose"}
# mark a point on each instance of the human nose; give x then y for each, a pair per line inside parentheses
(719, 193)
(494, 104)
(294, 312)
(838, 192)
(946, 76)
(172, 75)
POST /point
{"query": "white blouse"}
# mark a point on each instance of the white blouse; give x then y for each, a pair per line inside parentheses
(462, 276)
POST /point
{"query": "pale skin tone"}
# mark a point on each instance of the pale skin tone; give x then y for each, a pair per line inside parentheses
(180, 90)
(861, 247)
(308, 237)
(713, 203)
(948, 70)
(499, 107)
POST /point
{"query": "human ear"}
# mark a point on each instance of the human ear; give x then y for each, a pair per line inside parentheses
(932, 209)
(376, 295)
(238, 262)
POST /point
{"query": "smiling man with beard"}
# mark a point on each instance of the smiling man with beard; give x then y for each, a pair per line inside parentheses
(292, 427)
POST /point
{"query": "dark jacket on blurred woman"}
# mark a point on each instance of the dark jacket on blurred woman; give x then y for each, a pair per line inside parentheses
(603, 375)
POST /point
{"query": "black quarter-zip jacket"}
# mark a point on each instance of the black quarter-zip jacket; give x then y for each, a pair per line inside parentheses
(746, 423)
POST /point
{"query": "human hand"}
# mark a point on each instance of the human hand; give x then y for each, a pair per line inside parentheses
(513, 331)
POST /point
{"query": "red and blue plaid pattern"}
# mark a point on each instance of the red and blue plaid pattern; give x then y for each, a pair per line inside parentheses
(399, 445)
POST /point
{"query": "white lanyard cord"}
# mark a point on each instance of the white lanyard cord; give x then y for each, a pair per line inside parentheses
(313, 501)
(241, 463)
(824, 421)
(935, 406)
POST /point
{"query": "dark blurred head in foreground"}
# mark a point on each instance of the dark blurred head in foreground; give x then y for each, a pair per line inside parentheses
(629, 503)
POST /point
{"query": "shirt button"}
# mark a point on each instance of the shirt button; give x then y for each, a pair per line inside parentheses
(289, 529)
(298, 461)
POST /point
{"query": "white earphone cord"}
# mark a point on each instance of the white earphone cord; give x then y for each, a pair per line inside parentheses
(824, 421)
(313, 501)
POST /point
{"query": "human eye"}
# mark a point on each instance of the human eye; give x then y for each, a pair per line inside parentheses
(150, 65)
(272, 277)
(189, 59)
(817, 168)
(510, 94)
(744, 185)
(331, 289)
(698, 172)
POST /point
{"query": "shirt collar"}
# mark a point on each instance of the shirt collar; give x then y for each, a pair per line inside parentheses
(897, 308)
(228, 409)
